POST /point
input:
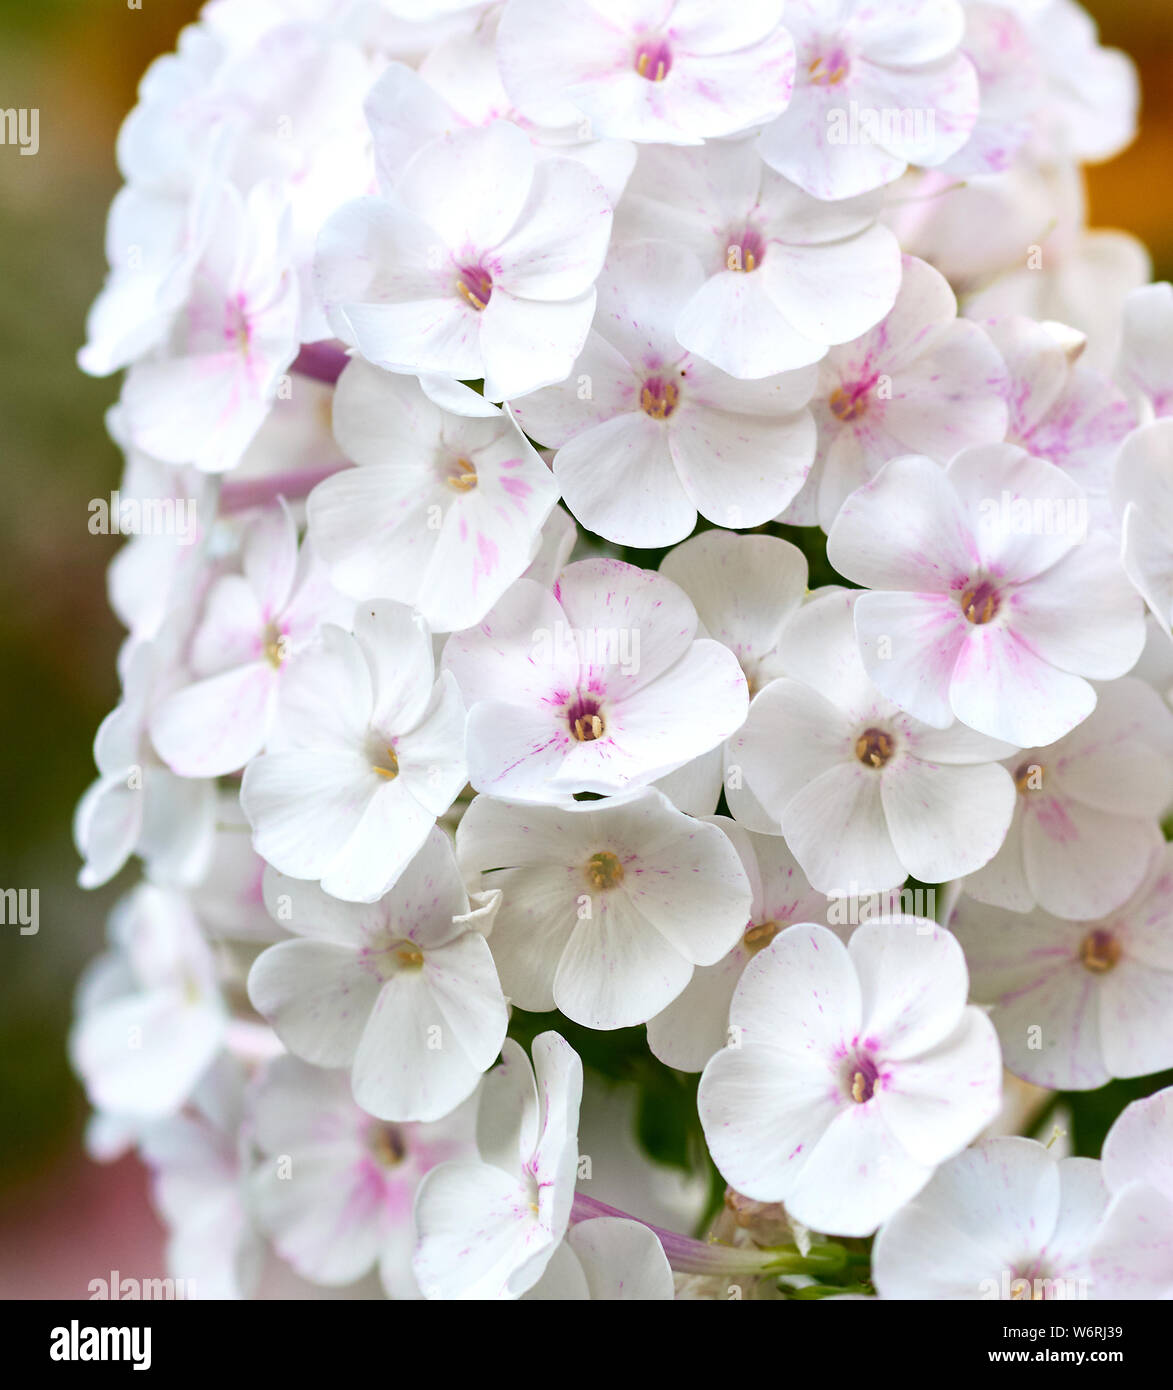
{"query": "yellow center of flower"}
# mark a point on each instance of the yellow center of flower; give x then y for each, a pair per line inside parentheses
(588, 727)
(462, 477)
(848, 405)
(1099, 951)
(1028, 777)
(980, 604)
(658, 398)
(389, 767)
(759, 934)
(874, 747)
(387, 1146)
(604, 871)
(824, 73)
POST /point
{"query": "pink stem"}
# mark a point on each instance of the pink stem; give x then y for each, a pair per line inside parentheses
(686, 1255)
(257, 492)
(323, 361)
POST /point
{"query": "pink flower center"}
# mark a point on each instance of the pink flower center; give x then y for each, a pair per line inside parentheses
(758, 935)
(275, 645)
(1099, 951)
(386, 1144)
(653, 59)
(461, 475)
(658, 397)
(1028, 777)
(745, 252)
(475, 285)
(980, 603)
(237, 330)
(849, 402)
(830, 69)
(862, 1075)
(604, 871)
(586, 721)
(874, 747)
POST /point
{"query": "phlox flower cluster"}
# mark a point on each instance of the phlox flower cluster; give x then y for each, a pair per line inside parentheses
(681, 589)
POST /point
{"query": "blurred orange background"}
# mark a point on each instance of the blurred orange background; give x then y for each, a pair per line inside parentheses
(63, 1220)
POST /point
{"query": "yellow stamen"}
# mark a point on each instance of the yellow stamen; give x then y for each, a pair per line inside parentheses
(845, 407)
(387, 1146)
(588, 727)
(874, 747)
(659, 407)
(1099, 952)
(760, 934)
(979, 608)
(476, 303)
(463, 478)
(274, 646)
(391, 771)
(604, 870)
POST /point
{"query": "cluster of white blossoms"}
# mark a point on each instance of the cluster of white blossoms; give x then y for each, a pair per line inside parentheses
(470, 720)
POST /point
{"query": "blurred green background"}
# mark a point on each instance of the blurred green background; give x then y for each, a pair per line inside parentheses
(78, 62)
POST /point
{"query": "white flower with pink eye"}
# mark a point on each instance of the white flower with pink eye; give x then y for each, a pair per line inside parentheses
(334, 1188)
(607, 906)
(1086, 820)
(401, 991)
(695, 1025)
(647, 435)
(875, 91)
(1142, 491)
(488, 1228)
(1077, 1003)
(922, 381)
(850, 1072)
(367, 750)
(1007, 1219)
(992, 605)
(251, 624)
(445, 510)
(150, 1016)
(480, 263)
(787, 276)
(864, 793)
(594, 687)
(670, 71)
(204, 394)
